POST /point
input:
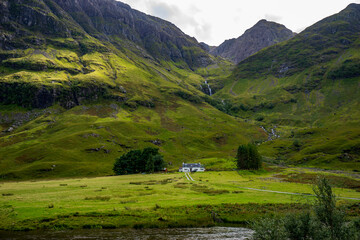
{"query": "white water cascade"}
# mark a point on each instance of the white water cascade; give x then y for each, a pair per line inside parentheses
(210, 92)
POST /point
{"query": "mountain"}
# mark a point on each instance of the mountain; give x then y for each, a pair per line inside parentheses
(32, 23)
(37, 35)
(306, 90)
(84, 81)
(263, 34)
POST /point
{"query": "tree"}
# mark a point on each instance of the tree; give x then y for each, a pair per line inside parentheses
(331, 221)
(248, 157)
(136, 161)
(125, 163)
(325, 222)
(159, 163)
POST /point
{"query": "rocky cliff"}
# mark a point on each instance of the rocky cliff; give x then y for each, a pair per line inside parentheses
(26, 24)
(70, 51)
(262, 34)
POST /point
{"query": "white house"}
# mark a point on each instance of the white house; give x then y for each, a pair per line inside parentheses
(192, 167)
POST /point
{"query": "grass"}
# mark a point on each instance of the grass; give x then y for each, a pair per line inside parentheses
(86, 140)
(139, 200)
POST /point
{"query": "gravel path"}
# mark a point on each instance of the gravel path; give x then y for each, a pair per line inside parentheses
(290, 193)
(187, 175)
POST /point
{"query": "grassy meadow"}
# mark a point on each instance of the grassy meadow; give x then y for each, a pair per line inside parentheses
(163, 200)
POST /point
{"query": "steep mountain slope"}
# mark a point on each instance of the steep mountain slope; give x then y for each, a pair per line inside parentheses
(29, 23)
(84, 81)
(263, 34)
(65, 44)
(307, 89)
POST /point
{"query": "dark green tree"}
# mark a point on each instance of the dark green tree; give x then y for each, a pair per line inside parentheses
(149, 168)
(242, 157)
(159, 163)
(125, 163)
(137, 161)
(248, 157)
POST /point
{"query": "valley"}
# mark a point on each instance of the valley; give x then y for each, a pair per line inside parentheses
(84, 82)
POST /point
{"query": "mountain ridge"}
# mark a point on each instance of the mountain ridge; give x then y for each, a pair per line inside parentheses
(101, 19)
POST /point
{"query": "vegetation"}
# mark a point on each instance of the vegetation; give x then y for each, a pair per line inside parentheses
(157, 200)
(326, 221)
(248, 157)
(85, 140)
(136, 161)
(71, 105)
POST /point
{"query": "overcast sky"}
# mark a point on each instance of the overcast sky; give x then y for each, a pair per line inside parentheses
(213, 21)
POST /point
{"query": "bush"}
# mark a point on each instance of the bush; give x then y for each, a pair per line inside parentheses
(325, 222)
(248, 157)
(270, 229)
(259, 118)
(136, 161)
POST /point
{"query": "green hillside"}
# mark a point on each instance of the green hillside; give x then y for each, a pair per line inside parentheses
(87, 119)
(307, 90)
(82, 82)
(77, 93)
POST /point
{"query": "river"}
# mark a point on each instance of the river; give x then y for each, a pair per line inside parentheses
(148, 234)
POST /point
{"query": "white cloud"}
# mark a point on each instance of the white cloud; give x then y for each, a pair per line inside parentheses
(215, 21)
(273, 18)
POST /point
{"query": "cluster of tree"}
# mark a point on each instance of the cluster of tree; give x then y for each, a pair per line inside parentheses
(324, 222)
(137, 161)
(248, 157)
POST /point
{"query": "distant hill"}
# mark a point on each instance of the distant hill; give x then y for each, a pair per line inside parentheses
(263, 34)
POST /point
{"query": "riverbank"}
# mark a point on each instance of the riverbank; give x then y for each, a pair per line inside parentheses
(227, 198)
(127, 234)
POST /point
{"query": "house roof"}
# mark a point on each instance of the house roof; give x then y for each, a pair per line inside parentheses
(192, 165)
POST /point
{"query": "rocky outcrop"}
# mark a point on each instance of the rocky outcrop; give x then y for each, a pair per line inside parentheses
(261, 35)
(31, 96)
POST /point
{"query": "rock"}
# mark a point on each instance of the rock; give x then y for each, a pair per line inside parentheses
(122, 89)
(94, 149)
(261, 35)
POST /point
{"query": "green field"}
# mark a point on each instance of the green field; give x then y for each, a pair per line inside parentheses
(163, 200)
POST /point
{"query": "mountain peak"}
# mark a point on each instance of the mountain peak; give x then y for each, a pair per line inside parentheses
(355, 6)
(263, 21)
(263, 34)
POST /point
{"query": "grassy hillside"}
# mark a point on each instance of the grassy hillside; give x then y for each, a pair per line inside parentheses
(77, 93)
(85, 140)
(65, 113)
(307, 91)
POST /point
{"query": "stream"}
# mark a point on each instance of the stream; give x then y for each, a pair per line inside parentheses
(149, 234)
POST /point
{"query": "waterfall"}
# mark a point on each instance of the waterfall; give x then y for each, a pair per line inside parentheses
(210, 92)
(272, 134)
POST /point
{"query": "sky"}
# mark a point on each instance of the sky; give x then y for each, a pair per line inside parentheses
(214, 21)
